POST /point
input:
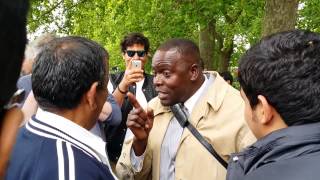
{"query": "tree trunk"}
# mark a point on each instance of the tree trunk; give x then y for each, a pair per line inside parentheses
(226, 55)
(280, 15)
(207, 44)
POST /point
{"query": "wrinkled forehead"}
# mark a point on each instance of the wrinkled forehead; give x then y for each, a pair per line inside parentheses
(171, 56)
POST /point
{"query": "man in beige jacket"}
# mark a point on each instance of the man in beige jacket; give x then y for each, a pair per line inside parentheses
(161, 148)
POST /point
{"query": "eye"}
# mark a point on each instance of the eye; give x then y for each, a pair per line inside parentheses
(166, 74)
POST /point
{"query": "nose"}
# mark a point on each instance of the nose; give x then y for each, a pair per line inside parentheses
(136, 56)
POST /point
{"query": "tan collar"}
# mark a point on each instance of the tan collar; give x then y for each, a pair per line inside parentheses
(214, 95)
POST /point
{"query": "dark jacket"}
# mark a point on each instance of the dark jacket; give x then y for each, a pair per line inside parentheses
(24, 82)
(43, 152)
(115, 134)
(288, 154)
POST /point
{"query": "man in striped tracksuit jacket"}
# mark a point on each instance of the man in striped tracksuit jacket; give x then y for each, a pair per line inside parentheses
(69, 82)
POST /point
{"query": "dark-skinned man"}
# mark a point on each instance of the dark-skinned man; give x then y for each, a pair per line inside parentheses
(161, 148)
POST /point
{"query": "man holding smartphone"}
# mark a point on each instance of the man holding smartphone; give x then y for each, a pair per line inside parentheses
(135, 48)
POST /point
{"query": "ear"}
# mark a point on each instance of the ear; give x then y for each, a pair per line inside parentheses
(265, 112)
(194, 71)
(91, 95)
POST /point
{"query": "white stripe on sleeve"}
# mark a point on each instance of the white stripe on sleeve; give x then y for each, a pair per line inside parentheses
(60, 160)
(71, 162)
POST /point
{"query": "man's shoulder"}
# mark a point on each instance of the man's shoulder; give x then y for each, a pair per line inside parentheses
(301, 167)
(24, 81)
(220, 93)
(33, 157)
(31, 144)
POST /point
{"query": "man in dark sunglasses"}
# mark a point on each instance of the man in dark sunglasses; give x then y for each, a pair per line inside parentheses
(132, 53)
(134, 48)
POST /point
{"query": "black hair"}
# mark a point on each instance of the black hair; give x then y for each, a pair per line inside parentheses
(285, 68)
(184, 47)
(134, 38)
(65, 70)
(227, 76)
(12, 44)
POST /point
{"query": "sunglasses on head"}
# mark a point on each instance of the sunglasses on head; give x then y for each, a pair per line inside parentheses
(132, 53)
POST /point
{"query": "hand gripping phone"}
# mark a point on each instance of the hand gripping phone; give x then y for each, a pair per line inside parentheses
(136, 64)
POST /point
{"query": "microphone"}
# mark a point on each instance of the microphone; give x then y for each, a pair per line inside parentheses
(180, 115)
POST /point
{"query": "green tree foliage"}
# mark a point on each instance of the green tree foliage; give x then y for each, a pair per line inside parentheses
(237, 23)
(309, 15)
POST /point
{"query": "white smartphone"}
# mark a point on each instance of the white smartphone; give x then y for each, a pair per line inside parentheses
(136, 64)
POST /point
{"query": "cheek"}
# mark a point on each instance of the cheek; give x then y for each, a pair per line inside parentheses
(101, 100)
(126, 58)
(247, 114)
(251, 120)
(172, 85)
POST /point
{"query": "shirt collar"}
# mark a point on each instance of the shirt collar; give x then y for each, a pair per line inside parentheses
(75, 131)
(190, 103)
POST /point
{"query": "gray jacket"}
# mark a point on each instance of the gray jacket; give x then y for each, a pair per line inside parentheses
(288, 154)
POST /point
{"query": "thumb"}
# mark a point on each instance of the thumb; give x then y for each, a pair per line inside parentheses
(150, 113)
(129, 64)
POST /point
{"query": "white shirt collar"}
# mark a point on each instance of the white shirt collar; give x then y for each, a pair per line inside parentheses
(140, 95)
(190, 103)
(75, 131)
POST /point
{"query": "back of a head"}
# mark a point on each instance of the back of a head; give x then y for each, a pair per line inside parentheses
(134, 38)
(227, 76)
(33, 48)
(184, 47)
(65, 69)
(285, 68)
(13, 40)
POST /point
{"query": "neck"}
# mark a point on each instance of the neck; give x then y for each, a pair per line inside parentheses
(275, 124)
(196, 86)
(76, 116)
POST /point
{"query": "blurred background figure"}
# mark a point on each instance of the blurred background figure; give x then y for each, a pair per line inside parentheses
(134, 46)
(32, 50)
(227, 77)
(12, 45)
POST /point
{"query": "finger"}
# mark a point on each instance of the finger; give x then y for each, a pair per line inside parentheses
(133, 100)
(129, 65)
(150, 117)
(132, 76)
(134, 80)
(137, 71)
(133, 124)
(137, 118)
(127, 72)
(138, 114)
(135, 75)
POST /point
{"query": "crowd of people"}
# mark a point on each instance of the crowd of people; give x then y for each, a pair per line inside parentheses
(68, 118)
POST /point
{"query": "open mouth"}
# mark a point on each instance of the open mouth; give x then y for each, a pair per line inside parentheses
(162, 95)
